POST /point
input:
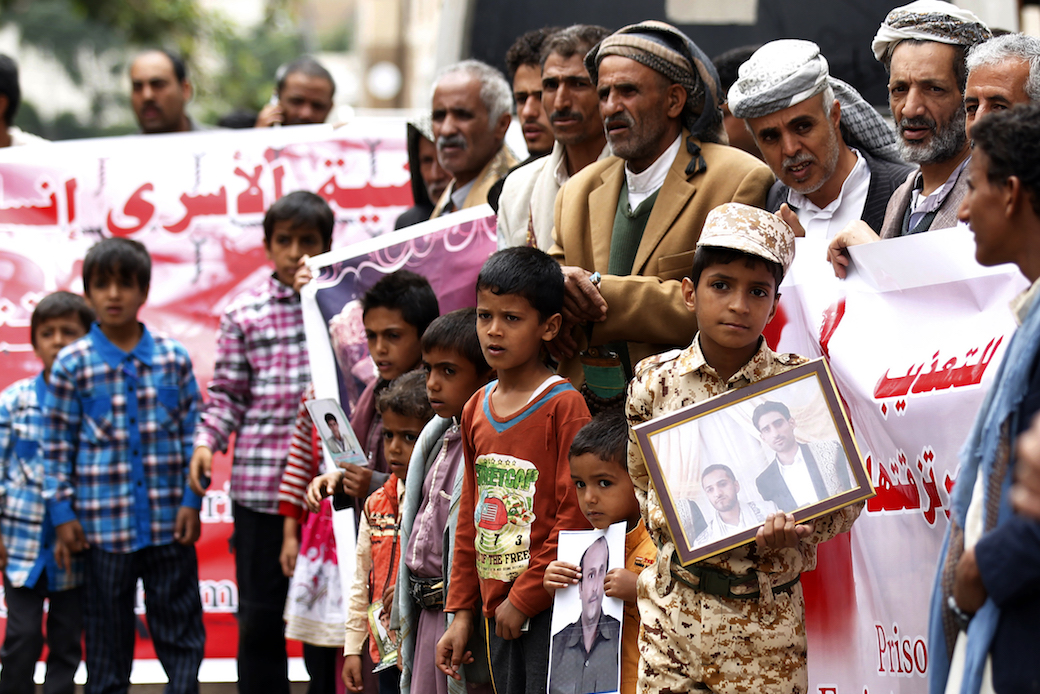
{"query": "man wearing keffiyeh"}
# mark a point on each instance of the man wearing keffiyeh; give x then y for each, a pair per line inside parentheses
(626, 227)
(835, 156)
(923, 46)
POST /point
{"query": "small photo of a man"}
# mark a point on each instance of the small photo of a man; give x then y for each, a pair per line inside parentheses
(799, 474)
(731, 515)
(334, 440)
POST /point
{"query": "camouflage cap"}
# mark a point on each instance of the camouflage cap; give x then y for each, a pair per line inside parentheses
(751, 230)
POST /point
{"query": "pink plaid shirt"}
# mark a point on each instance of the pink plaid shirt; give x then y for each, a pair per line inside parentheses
(260, 373)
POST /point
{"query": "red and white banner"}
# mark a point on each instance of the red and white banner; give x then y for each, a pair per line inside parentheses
(914, 337)
(197, 202)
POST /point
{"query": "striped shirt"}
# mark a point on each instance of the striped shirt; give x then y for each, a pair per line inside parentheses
(26, 526)
(260, 372)
(117, 439)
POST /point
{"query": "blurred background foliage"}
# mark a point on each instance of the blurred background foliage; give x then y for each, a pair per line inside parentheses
(231, 67)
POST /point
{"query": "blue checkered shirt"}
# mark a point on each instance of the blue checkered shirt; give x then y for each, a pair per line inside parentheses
(25, 525)
(118, 438)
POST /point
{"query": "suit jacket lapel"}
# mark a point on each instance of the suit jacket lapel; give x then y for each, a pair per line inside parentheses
(603, 202)
(671, 199)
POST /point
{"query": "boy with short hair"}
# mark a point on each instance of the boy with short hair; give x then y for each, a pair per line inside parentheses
(260, 371)
(455, 368)
(395, 312)
(119, 414)
(599, 469)
(405, 411)
(32, 573)
(517, 493)
(687, 639)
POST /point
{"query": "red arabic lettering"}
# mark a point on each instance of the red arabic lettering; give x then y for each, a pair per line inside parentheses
(251, 199)
(949, 376)
(136, 207)
(70, 199)
(32, 215)
(278, 173)
(199, 205)
(898, 486)
(352, 198)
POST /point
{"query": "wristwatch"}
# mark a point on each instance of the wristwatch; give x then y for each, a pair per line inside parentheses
(960, 616)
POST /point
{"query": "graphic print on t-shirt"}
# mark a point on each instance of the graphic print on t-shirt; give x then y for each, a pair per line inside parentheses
(503, 516)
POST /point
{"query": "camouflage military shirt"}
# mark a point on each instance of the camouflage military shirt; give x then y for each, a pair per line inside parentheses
(692, 639)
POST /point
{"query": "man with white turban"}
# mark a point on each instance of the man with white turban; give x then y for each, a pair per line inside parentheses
(835, 157)
(626, 227)
(923, 46)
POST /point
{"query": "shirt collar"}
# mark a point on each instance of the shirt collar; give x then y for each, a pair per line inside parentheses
(1022, 303)
(927, 203)
(859, 175)
(40, 386)
(576, 636)
(459, 195)
(692, 359)
(279, 290)
(560, 172)
(113, 356)
(646, 182)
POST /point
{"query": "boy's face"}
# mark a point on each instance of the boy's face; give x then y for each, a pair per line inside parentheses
(334, 428)
(393, 343)
(510, 330)
(450, 380)
(399, 435)
(288, 245)
(733, 303)
(115, 300)
(55, 333)
(605, 491)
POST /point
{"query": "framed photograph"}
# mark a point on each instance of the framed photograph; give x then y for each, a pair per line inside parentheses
(386, 639)
(723, 465)
(337, 436)
(586, 624)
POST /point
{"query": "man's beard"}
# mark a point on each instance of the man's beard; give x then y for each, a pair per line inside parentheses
(946, 142)
(829, 166)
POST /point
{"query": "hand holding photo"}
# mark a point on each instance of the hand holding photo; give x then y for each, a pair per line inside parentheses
(723, 466)
(337, 436)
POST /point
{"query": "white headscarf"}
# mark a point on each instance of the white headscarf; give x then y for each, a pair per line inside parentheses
(929, 20)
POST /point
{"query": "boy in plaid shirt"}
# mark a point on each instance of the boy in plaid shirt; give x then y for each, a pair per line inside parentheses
(27, 552)
(119, 418)
(261, 371)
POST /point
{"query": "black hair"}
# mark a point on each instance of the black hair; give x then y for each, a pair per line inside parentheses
(302, 209)
(60, 305)
(574, 40)
(180, 70)
(715, 468)
(1011, 141)
(706, 256)
(605, 436)
(526, 272)
(408, 292)
(406, 396)
(329, 417)
(126, 257)
(960, 59)
(305, 65)
(527, 50)
(766, 408)
(457, 331)
(601, 539)
(9, 86)
(728, 63)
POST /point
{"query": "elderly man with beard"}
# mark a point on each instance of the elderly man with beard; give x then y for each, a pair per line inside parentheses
(923, 46)
(626, 227)
(525, 213)
(835, 156)
(471, 113)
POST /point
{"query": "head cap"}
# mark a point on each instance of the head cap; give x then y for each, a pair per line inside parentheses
(929, 20)
(750, 230)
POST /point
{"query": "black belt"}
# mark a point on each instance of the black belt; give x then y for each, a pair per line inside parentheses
(720, 583)
(428, 593)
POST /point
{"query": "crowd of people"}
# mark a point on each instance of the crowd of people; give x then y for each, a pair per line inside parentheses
(641, 247)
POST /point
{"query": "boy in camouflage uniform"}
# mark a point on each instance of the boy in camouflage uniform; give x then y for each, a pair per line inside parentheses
(734, 622)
